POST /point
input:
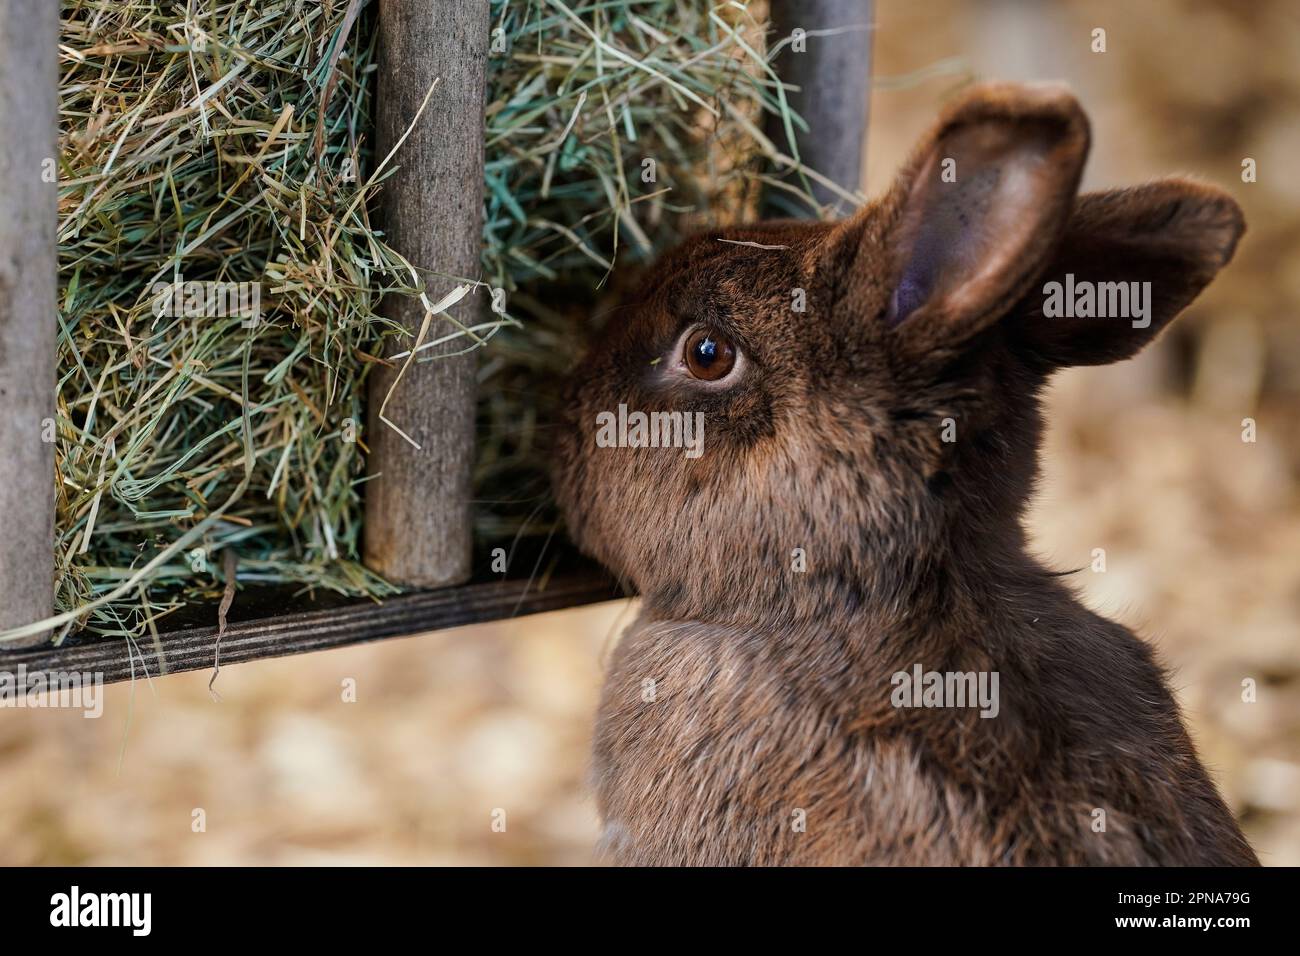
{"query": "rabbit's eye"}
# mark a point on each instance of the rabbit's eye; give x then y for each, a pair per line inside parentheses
(708, 356)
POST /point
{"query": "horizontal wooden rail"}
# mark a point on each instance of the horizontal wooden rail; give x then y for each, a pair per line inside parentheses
(297, 632)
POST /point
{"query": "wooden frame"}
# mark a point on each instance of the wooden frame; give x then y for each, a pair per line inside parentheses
(414, 535)
(269, 630)
(29, 36)
(417, 527)
(828, 75)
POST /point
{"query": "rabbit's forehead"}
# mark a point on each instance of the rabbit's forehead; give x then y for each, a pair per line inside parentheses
(724, 285)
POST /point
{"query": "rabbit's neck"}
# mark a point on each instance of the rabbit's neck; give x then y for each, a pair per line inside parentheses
(873, 658)
(977, 593)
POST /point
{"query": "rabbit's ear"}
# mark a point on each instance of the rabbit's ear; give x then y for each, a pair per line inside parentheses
(974, 216)
(1130, 260)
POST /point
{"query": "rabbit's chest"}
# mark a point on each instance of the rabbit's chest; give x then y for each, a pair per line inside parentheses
(713, 752)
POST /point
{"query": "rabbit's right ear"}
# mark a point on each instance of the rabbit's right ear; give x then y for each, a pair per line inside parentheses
(971, 219)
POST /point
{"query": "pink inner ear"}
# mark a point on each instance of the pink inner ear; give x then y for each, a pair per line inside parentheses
(907, 298)
(971, 242)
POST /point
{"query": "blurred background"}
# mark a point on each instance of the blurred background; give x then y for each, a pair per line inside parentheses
(1201, 530)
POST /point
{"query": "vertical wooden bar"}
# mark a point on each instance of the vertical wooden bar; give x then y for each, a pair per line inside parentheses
(833, 76)
(418, 525)
(29, 36)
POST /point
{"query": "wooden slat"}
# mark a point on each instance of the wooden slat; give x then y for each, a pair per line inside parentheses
(833, 76)
(417, 517)
(29, 35)
(302, 631)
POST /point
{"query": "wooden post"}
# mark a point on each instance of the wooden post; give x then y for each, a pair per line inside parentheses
(834, 79)
(29, 37)
(418, 526)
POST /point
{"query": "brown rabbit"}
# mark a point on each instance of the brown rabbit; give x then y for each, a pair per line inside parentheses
(854, 521)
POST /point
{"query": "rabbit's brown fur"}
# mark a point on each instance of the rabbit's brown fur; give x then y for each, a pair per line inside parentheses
(749, 695)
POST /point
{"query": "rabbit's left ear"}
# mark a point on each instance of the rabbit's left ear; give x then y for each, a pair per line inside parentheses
(973, 217)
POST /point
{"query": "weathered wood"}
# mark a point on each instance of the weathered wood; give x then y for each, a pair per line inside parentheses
(417, 516)
(833, 75)
(29, 36)
(250, 637)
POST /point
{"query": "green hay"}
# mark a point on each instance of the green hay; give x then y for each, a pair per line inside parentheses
(571, 121)
(189, 150)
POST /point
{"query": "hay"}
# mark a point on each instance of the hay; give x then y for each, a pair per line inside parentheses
(585, 95)
(210, 140)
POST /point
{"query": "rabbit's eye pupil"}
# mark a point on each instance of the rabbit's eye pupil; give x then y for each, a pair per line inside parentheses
(709, 356)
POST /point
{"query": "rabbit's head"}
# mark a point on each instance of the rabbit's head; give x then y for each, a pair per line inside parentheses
(868, 388)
